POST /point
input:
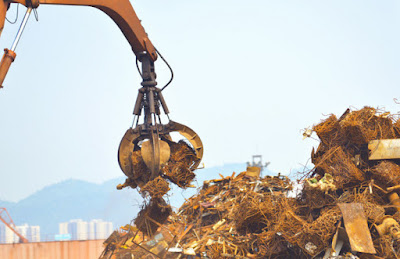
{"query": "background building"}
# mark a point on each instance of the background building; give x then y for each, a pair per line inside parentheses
(34, 234)
(101, 229)
(7, 236)
(78, 229)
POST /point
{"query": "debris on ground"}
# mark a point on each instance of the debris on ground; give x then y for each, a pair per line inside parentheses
(348, 206)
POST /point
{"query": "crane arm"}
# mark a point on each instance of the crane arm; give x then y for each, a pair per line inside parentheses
(120, 11)
(149, 100)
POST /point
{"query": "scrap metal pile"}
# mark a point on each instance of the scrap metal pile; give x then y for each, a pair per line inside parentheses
(224, 218)
(347, 207)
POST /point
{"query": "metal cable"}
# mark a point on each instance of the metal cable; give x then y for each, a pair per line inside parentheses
(36, 14)
(170, 69)
(16, 17)
(140, 72)
(137, 66)
(165, 61)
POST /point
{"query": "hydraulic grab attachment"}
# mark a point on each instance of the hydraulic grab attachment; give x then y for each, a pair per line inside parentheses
(149, 136)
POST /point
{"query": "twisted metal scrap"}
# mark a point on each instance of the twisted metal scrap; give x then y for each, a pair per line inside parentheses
(152, 215)
(179, 168)
(247, 217)
(338, 164)
(386, 173)
(156, 188)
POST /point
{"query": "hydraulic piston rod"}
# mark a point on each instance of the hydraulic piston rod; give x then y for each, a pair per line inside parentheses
(21, 29)
(9, 54)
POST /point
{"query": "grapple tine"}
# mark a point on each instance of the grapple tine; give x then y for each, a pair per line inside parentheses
(191, 136)
(151, 154)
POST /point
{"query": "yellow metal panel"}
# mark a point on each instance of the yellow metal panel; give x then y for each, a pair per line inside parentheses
(384, 149)
(253, 171)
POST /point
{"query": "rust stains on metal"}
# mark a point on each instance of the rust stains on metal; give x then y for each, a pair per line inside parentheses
(356, 226)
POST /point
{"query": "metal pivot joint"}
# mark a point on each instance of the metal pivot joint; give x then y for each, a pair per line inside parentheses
(149, 97)
(148, 71)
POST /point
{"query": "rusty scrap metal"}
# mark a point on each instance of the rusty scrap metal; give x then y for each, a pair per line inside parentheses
(347, 205)
(356, 226)
(389, 226)
(394, 200)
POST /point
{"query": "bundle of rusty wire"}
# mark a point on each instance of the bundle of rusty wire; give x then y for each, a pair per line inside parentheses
(320, 231)
(339, 164)
(386, 173)
(312, 198)
(354, 129)
(364, 125)
(329, 131)
(346, 138)
(272, 245)
(152, 216)
(396, 128)
(156, 188)
(179, 168)
(255, 213)
(140, 171)
(386, 248)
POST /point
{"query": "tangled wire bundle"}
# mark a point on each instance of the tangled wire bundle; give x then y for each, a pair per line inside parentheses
(320, 231)
(314, 198)
(156, 188)
(152, 215)
(364, 125)
(179, 167)
(338, 164)
(254, 214)
(386, 173)
(396, 127)
(329, 132)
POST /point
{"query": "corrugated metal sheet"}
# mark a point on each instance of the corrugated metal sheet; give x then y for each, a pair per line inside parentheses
(87, 249)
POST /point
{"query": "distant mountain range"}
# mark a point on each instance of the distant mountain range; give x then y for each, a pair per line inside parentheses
(76, 199)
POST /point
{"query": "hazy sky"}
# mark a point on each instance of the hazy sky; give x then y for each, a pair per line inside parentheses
(249, 76)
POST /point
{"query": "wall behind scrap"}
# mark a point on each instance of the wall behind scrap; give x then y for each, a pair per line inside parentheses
(87, 249)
